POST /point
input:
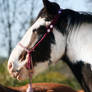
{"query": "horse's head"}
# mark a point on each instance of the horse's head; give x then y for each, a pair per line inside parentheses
(46, 51)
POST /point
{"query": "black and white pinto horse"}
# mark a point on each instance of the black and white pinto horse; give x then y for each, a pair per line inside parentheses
(70, 40)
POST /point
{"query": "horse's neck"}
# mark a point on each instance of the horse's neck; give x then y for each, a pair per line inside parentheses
(82, 73)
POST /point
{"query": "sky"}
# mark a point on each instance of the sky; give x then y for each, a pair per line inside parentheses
(78, 5)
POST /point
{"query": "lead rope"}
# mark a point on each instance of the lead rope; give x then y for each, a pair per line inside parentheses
(29, 89)
(29, 64)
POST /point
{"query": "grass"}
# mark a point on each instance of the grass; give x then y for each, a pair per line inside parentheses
(59, 73)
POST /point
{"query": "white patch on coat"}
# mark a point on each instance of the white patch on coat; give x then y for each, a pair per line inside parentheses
(58, 49)
(79, 44)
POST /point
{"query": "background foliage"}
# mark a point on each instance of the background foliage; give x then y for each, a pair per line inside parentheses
(60, 73)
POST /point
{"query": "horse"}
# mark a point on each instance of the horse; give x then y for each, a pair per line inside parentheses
(56, 34)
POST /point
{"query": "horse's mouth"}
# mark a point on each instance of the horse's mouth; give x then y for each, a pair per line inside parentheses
(19, 75)
(16, 75)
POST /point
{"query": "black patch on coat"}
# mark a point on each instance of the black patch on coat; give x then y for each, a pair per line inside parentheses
(80, 70)
(43, 50)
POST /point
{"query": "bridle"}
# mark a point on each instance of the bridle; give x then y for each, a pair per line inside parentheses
(49, 28)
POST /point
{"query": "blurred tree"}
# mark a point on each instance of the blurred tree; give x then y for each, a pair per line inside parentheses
(15, 17)
(89, 5)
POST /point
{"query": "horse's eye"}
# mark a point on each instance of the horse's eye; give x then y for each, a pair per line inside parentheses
(47, 19)
(41, 30)
(34, 30)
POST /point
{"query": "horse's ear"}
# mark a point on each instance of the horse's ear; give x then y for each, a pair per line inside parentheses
(51, 7)
(46, 3)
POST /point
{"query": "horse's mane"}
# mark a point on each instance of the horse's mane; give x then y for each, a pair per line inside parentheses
(70, 19)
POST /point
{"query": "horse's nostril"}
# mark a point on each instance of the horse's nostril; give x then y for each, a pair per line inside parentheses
(18, 71)
(10, 66)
